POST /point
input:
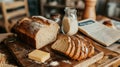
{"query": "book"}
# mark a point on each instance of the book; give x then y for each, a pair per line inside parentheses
(99, 32)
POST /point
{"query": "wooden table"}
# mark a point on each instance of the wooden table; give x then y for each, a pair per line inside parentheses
(115, 47)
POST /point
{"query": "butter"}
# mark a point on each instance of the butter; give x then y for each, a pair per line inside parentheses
(38, 55)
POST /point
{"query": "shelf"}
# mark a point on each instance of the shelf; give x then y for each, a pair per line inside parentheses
(60, 6)
(115, 18)
(55, 6)
(47, 7)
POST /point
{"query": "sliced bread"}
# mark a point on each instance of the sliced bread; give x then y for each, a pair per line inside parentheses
(72, 49)
(82, 51)
(91, 47)
(68, 51)
(62, 44)
(77, 46)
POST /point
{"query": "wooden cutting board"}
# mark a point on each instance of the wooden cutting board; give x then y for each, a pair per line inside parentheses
(20, 51)
(103, 57)
(110, 58)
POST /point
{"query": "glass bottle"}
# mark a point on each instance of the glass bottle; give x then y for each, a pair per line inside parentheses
(69, 22)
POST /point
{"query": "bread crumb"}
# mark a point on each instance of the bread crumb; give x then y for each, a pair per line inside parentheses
(2, 58)
(6, 65)
(54, 63)
(4, 62)
(37, 62)
(66, 61)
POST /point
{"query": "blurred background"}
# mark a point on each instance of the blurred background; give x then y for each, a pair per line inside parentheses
(12, 10)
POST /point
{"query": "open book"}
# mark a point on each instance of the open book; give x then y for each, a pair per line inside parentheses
(99, 32)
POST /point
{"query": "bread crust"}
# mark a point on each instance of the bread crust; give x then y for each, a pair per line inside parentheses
(78, 47)
(91, 47)
(88, 48)
(82, 51)
(73, 49)
(69, 47)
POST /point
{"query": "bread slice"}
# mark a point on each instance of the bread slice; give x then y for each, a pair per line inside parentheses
(83, 54)
(77, 46)
(85, 45)
(72, 49)
(85, 50)
(70, 46)
(91, 47)
(62, 44)
(81, 37)
(92, 51)
(82, 50)
(88, 47)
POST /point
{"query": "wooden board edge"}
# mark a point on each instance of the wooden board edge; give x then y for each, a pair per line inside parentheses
(91, 60)
(109, 63)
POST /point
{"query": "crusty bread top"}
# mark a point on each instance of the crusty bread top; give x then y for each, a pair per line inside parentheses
(38, 19)
(31, 25)
(108, 23)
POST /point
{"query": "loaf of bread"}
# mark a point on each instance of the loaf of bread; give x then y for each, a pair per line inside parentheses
(109, 24)
(76, 47)
(36, 31)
